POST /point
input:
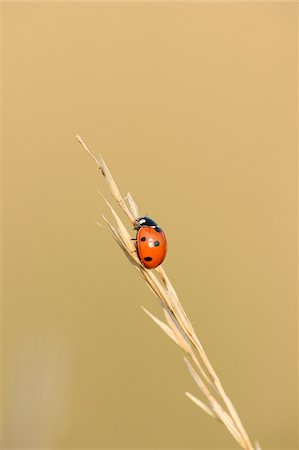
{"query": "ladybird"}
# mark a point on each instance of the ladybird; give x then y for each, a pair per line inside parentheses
(151, 243)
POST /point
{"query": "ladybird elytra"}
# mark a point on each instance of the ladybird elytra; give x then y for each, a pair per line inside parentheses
(151, 243)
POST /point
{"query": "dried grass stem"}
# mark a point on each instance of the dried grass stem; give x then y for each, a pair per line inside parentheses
(177, 326)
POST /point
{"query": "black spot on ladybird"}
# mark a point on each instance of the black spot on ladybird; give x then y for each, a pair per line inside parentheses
(143, 239)
(156, 243)
(158, 229)
(148, 258)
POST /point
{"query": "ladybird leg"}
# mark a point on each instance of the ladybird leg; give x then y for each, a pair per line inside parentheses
(133, 239)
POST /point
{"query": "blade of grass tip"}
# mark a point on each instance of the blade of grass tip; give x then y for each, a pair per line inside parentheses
(119, 241)
(113, 231)
(133, 205)
(89, 153)
(112, 210)
(161, 324)
(123, 232)
(182, 339)
(201, 404)
(131, 256)
(109, 231)
(111, 183)
(115, 191)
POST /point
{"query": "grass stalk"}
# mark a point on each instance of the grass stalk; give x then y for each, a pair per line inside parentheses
(177, 326)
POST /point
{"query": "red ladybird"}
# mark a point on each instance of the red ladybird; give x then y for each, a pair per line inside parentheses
(151, 243)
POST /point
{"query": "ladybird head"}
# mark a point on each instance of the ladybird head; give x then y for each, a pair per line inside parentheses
(145, 222)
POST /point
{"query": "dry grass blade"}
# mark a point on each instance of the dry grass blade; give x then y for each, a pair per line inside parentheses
(161, 324)
(131, 256)
(215, 406)
(228, 423)
(198, 380)
(178, 327)
(201, 404)
(181, 338)
(132, 204)
(111, 183)
(123, 232)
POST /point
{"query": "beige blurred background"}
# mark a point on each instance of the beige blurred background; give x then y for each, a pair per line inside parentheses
(193, 106)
